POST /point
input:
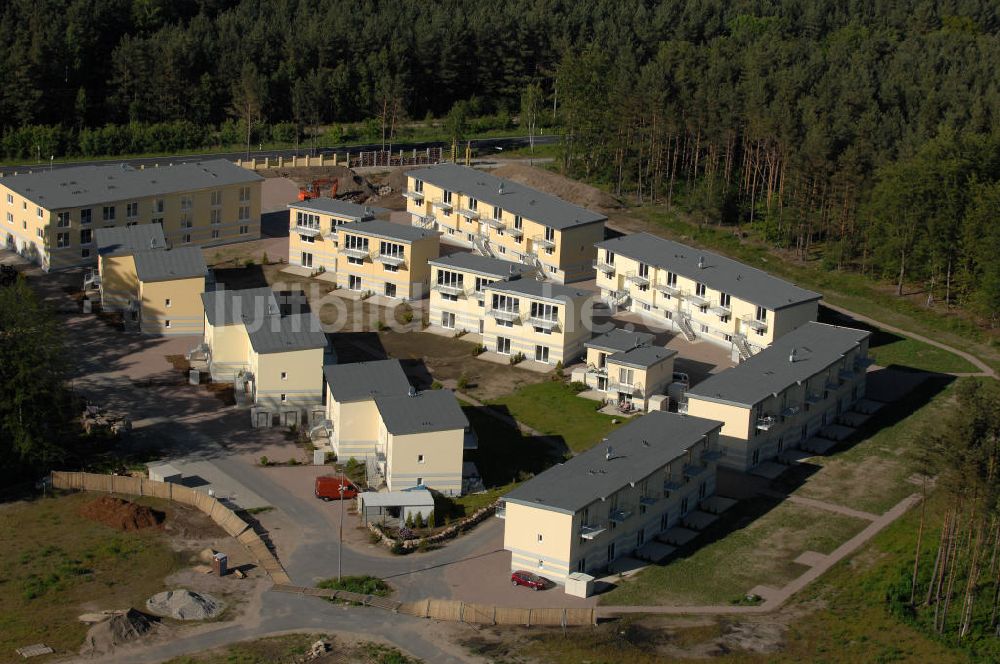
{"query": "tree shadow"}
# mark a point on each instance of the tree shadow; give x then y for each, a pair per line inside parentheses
(879, 336)
(240, 278)
(275, 224)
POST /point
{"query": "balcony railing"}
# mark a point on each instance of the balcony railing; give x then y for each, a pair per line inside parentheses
(620, 516)
(671, 484)
(682, 407)
(450, 289)
(667, 289)
(511, 315)
(501, 511)
(754, 324)
(765, 423)
(589, 532)
(544, 323)
(845, 374)
(637, 279)
(712, 455)
(633, 389)
(354, 252)
(861, 363)
(814, 397)
(442, 205)
(832, 384)
(468, 213)
(720, 309)
(312, 230)
(515, 232)
(414, 195)
(494, 223)
(541, 241)
(606, 268)
(390, 259)
(649, 501)
(423, 220)
(696, 300)
(789, 411)
(693, 470)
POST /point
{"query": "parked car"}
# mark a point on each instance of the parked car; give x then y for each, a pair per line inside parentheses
(329, 488)
(529, 580)
(681, 377)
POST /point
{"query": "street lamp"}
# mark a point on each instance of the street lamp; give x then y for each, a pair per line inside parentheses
(340, 540)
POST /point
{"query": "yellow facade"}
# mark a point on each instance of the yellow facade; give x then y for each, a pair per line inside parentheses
(400, 271)
(556, 334)
(355, 427)
(560, 254)
(119, 282)
(63, 237)
(312, 231)
(430, 459)
(172, 307)
(289, 379)
(539, 540)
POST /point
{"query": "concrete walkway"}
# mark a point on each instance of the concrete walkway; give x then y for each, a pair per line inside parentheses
(821, 505)
(984, 369)
(775, 598)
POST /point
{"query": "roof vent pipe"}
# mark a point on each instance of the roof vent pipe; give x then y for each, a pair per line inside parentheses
(701, 262)
(791, 356)
(500, 188)
(412, 391)
(608, 453)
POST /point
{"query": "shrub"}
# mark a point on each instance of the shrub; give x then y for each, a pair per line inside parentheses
(431, 520)
(436, 385)
(463, 382)
(478, 349)
(249, 262)
(409, 520)
(577, 387)
(364, 585)
(517, 358)
(264, 259)
(264, 461)
(293, 462)
(407, 316)
(381, 326)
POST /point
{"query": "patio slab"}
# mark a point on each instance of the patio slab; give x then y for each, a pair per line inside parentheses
(626, 566)
(677, 536)
(698, 520)
(717, 504)
(655, 552)
(868, 406)
(298, 271)
(819, 446)
(768, 470)
(810, 558)
(853, 419)
(835, 432)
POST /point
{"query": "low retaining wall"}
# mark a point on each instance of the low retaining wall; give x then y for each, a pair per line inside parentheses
(485, 614)
(448, 533)
(223, 516)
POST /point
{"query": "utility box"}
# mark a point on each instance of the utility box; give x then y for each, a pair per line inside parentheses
(194, 377)
(676, 391)
(659, 402)
(319, 457)
(579, 584)
(88, 306)
(220, 564)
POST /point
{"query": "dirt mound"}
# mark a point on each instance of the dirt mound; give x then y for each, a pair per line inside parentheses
(557, 185)
(121, 628)
(351, 185)
(184, 605)
(122, 514)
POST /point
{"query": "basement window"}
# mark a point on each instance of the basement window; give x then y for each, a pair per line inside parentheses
(284, 375)
(420, 458)
(284, 398)
(539, 537)
(166, 323)
(168, 302)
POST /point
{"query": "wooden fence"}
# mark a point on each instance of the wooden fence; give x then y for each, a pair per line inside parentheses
(487, 614)
(223, 516)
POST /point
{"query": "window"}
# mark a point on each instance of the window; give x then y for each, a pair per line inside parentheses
(356, 242)
(626, 376)
(306, 220)
(39, 213)
(644, 270)
(307, 259)
(86, 215)
(38, 231)
(448, 320)
(186, 238)
(699, 289)
(308, 239)
(482, 283)
(10, 218)
(724, 300)
(85, 253)
(761, 314)
(450, 279)
(86, 236)
(216, 198)
(672, 279)
(473, 204)
(503, 345)
(216, 217)
(186, 203)
(704, 329)
(550, 236)
(497, 212)
(549, 312)
(62, 240)
(284, 375)
(353, 282)
(506, 303)
(157, 220)
(157, 206)
(390, 290)
(284, 398)
(420, 458)
(542, 354)
(132, 210)
(62, 220)
(390, 249)
(10, 199)
(215, 234)
(244, 213)
(539, 538)
(418, 186)
(447, 197)
(244, 194)
(108, 213)
(166, 323)
(168, 303)
(244, 230)
(518, 223)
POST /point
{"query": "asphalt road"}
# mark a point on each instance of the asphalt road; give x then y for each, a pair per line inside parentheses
(483, 146)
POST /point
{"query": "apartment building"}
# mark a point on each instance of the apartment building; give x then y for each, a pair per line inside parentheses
(383, 258)
(269, 345)
(313, 226)
(157, 289)
(627, 368)
(784, 394)
(543, 321)
(458, 288)
(407, 438)
(505, 219)
(50, 216)
(610, 501)
(701, 294)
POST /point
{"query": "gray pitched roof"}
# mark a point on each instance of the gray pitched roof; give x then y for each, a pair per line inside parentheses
(340, 209)
(281, 334)
(620, 340)
(816, 346)
(431, 410)
(515, 197)
(366, 380)
(182, 263)
(80, 186)
(719, 273)
(485, 265)
(545, 290)
(638, 449)
(231, 307)
(125, 240)
(642, 357)
(388, 230)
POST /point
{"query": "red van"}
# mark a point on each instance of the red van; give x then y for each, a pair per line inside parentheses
(329, 488)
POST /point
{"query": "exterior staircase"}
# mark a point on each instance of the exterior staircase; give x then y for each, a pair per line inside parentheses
(482, 245)
(743, 347)
(685, 324)
(539, 268)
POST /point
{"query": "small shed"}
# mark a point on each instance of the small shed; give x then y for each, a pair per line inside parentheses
(163, 472)
(391, 505)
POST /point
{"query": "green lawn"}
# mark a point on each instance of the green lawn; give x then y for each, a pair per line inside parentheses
(755, 543)
(53, 562)
(908, 352)
(554, 409)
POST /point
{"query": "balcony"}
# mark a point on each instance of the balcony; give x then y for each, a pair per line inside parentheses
(416, 196)
(597, 371)
(501, 512)
(390, 259)
(672, 485)
(814, 397)
(541, 241)
(682, 407)
(515, 232)
(620, 516)
(311, 230)
(637, 279)
(754, 324)
(618, 298)
(765, 423)
(832, 384)
(712, 455)
(354, 252)
(443, 206)
(544, 323)
(789, 411)
(494, 223)
(423, 220)
(667, 289)
(696, 300)
(649, 501)
(468, 213)
(510, 315)
(606, 268)
(721, 310)
(455, 289)
(589, 532)
(862, 363)
(692, 470)
(845, 374)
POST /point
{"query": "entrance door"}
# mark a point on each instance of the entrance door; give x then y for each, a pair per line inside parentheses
(542, 354)
(503, 345)
(307, 259)
(353, 282)
(602, 383)
(390, 290)
(448, 320)
(611, 552)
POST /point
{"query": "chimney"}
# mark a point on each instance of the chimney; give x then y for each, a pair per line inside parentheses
(500, 189)
(701, 262)
(412, 391)
(791, 356)
(608, 454)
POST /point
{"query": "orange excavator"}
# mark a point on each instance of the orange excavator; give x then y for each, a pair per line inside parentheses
(315, 190)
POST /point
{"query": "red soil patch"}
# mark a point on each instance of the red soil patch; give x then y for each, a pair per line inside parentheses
(121, 514)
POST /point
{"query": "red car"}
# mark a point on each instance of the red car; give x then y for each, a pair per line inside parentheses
(329, 488)
(529, 580)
